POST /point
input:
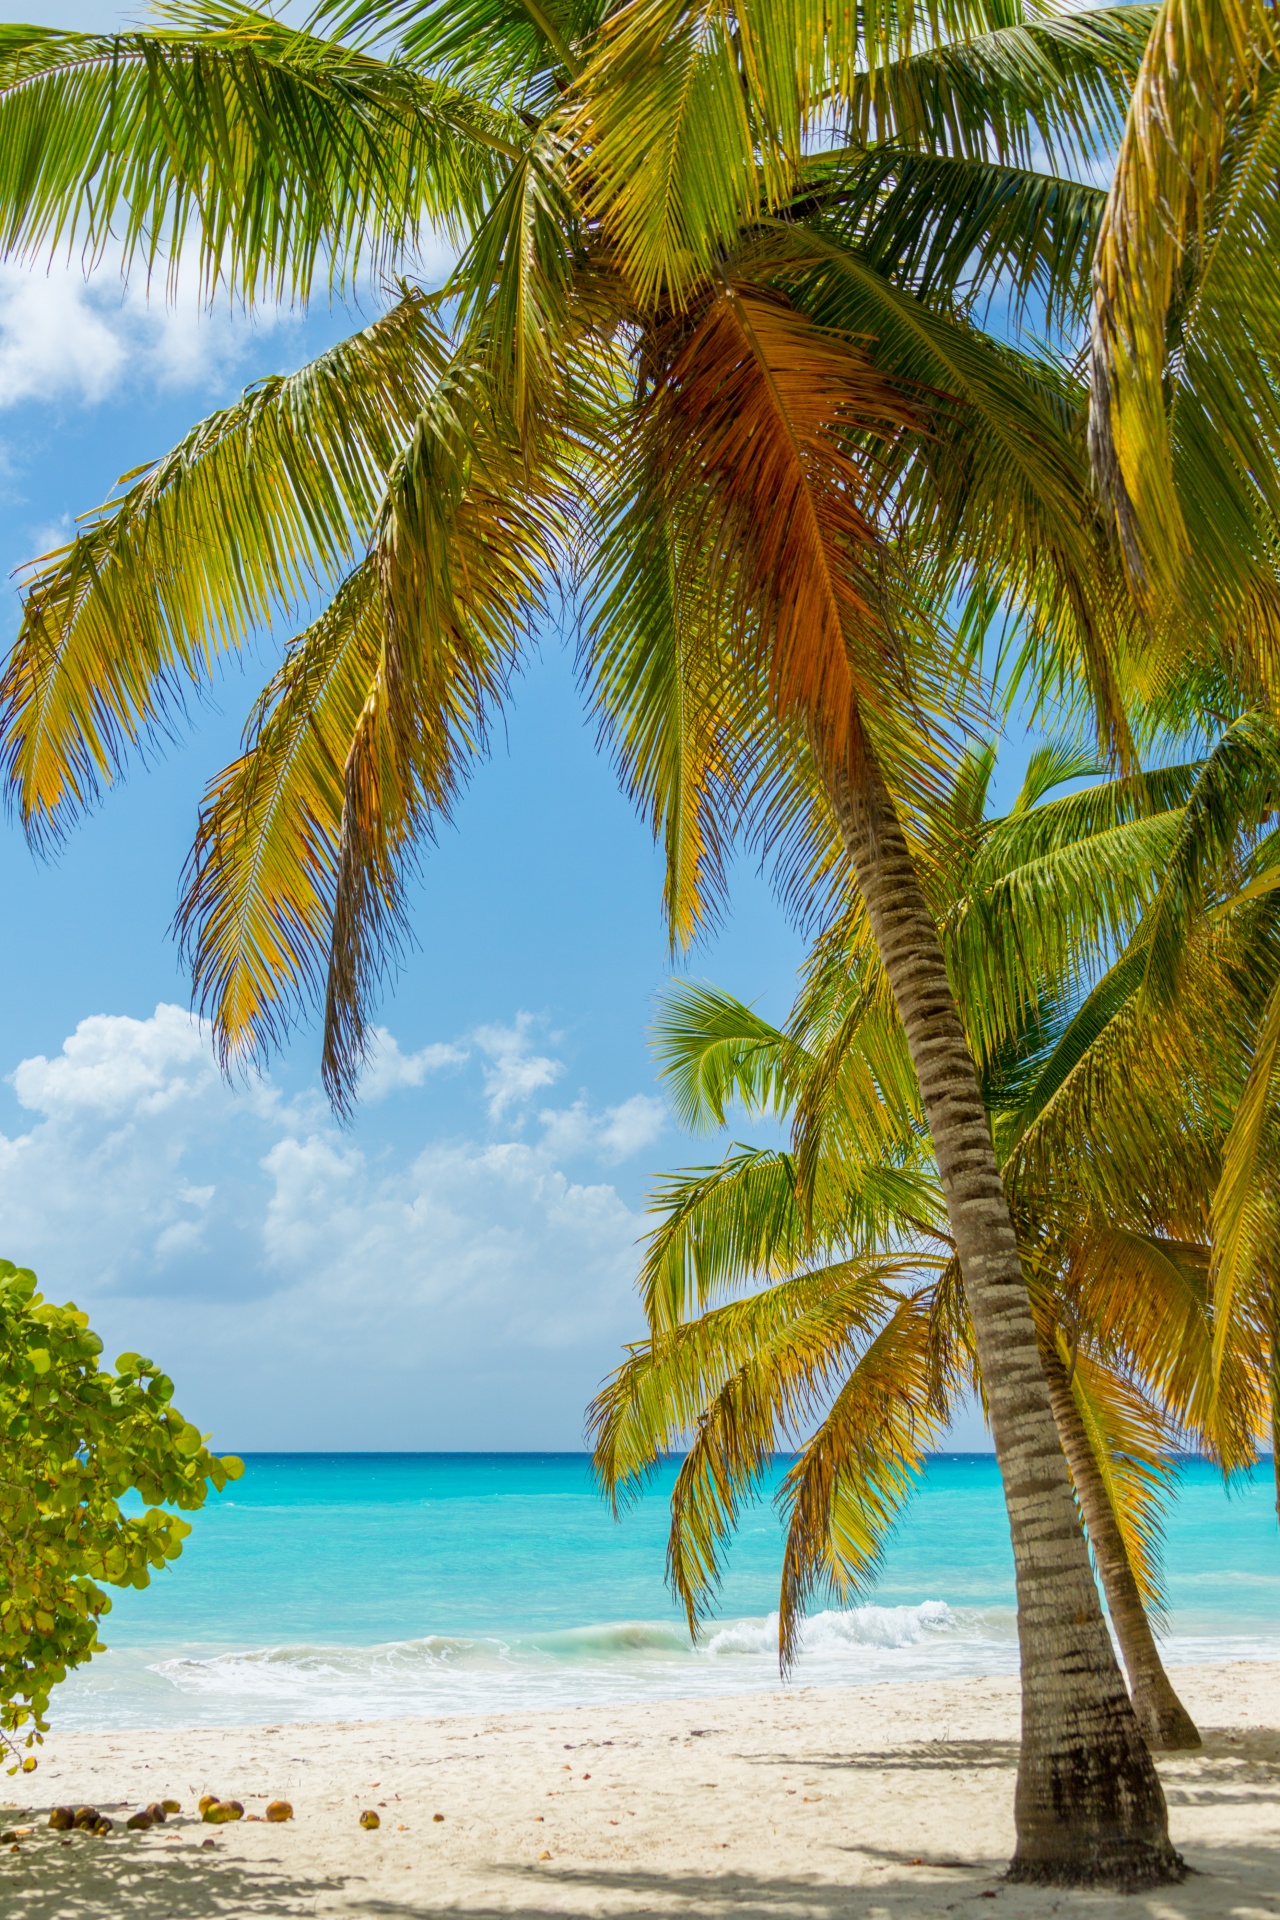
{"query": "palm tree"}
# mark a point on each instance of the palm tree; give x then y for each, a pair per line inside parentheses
(730, 378)
(830, 1357)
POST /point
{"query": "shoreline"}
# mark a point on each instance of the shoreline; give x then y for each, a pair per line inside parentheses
(888, 1802)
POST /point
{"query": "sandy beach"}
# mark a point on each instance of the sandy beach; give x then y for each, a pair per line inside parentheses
(888, 1803)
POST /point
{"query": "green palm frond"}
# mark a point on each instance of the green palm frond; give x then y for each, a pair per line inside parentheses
(962, 227)
(852, 1479)
(260, 504)
(696, 121)
(1052, 764)
(738, 1382)
(1186, 413)
(1002, 82)
(1007, 936)
(719, 1227)
(280, 156)
(712, 1049)
(669, 712)
(1246, 1203)
(1132, 1445)
(467, 544)
(516, 280)
(1237, 787)
(1148, 1301)
(520, 50)
(257, 897)
(656, 1398)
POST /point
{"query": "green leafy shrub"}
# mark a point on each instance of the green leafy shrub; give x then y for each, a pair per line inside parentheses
(75, 1439)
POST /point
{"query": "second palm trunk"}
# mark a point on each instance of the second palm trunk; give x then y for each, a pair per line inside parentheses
(1090, 1809)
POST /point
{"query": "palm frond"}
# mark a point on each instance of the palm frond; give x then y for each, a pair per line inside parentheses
(1237, 786)
(1185, 411)
(854, 1476)
(467, 544)
(712, 1049)
(257, 897)
(280, 156)
(260, 504)
(1246, 1216)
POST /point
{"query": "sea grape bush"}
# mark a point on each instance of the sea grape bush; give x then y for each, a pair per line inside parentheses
(75, 1439)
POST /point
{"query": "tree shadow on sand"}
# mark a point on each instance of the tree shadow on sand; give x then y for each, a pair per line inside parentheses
(112, 1882)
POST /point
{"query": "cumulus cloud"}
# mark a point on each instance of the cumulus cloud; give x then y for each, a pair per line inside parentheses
(66, 337)
(387, 1070)
(309, 1287)
(515, 1071)
(613, 1135)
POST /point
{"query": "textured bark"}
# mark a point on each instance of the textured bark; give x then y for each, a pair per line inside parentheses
(1166, 1725)
(1089, 1806)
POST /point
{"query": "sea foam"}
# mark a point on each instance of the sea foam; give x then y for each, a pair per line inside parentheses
(568, 1666)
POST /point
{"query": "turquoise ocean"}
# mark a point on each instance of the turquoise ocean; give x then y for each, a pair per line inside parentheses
(358, 1586)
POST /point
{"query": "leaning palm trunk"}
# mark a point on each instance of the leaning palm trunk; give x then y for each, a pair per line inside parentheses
(1089, 1805)
(1165, 1722)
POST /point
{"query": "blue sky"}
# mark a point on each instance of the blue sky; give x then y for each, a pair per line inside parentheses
(455, 1269)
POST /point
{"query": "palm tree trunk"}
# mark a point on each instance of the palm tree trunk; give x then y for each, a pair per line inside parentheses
(1089, 1806)
(1166, 1724)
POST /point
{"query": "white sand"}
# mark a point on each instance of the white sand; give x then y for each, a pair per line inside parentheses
(886, 1803)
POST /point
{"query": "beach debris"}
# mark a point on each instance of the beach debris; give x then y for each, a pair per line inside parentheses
(8, 1837)
(208, 1843)
(544, 1855)
(86, 1818)
(172, 1806)
(280, 1810)
(437, 1816)
(369, 1820)
(62, 1819)
(141, 1821)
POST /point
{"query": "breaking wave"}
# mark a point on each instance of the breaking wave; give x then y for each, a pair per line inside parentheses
(574, 1666)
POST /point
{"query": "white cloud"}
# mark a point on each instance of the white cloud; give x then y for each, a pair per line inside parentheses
(309, 1287)
(386, 1069)
(613, 1135)
(516, 1071)
(113, 1065)
(84, 340)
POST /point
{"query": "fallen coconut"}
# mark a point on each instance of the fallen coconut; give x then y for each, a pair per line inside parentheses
(103, 1826)
(156, 1809)
(86, 1818)
(172, 1806)
(140, 1821)
(280, 1810)
(62, 1819)
(208, 1800)
(369, 1819)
